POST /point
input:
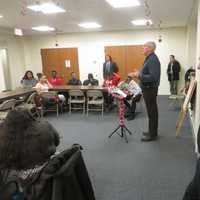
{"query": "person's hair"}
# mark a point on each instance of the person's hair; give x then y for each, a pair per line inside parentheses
(90, 75)
(72, 73)
(25, 142)
(110, 58)
(172, 56)
(54, 71)
(151, 44)
(39, 75)
(25, 77)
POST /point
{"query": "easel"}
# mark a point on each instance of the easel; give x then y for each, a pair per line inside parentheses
(121, 127)
(184, 108)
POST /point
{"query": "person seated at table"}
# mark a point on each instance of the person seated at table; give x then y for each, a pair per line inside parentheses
(74, 80)
(189, 75)
(111, 80)
(55, 80)
(134, 94)
(43, 86)
(91, 81)
(26, 145)
(28, 81)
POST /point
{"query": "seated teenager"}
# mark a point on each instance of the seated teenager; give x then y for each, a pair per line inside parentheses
(111, 80)
(26, 146)
(28, 81)
(134, 92)
(55, 80)
(43, 86)
(91, 81)
(74, 80)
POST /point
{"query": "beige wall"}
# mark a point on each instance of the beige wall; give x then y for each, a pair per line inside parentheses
(16, 62)
(91, 49)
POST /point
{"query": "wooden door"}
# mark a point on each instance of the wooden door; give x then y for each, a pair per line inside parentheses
(134, 58)
(118, 56)
(54, 59)
(127, 58)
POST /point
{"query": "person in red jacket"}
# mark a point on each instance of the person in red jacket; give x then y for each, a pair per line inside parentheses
(111, 81)
(55, 80)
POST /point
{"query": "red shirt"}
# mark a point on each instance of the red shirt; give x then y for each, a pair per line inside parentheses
(56, 81)
(115, 79)
(113, 82)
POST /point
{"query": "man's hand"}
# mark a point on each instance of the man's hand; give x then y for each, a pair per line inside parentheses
(134, 74)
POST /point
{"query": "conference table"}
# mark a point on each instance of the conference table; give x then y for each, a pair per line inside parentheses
(64, 88)
(20, 92)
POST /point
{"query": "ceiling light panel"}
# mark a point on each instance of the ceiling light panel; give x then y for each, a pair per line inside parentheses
(123, 3)
(142, 22)
(18, 32)
(46, 8)
(1, 16)
(90, 25)
(43, 28)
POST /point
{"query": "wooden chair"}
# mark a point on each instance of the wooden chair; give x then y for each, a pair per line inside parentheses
(5, 107)
(49, 102)
(95, 98)
(76, 97)
(30, 105)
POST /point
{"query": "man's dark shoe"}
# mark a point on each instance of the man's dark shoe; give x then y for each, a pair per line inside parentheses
(126, 115)
(148, 138)
(146, 133)
(131, 117)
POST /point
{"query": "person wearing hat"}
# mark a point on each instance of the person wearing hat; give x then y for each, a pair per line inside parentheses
(134, 94)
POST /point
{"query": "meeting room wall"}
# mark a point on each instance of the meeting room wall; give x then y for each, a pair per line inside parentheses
(91, 49)
(15, 59)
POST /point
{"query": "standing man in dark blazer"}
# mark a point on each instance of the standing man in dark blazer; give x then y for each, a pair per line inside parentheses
(173, 71)
(109, 67)
(149, 77)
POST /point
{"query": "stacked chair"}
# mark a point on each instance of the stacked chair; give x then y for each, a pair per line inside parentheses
(5, 107)
(30, 105)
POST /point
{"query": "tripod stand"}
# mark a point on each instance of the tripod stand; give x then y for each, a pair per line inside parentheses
(122, 127)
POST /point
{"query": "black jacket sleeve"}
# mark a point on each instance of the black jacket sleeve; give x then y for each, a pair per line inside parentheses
(193, 190)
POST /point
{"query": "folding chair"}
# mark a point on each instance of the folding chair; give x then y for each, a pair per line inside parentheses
(76, 97)
(95, 98)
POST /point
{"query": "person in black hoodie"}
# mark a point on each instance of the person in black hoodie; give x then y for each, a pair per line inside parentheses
(193, 190)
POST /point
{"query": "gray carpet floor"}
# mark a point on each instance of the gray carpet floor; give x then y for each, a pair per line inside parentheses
(158, 170)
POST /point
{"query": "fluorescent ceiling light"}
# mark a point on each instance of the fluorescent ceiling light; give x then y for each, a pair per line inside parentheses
(1, 16)
(123, 3)
(46, 8)
(43, 28)
(90, 25)
(18, 32)
(142, 22)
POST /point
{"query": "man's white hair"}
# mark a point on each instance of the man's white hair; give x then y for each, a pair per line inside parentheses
(151, 45)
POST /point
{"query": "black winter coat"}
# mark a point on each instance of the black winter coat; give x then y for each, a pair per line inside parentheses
(176, 68)
(64, 178)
